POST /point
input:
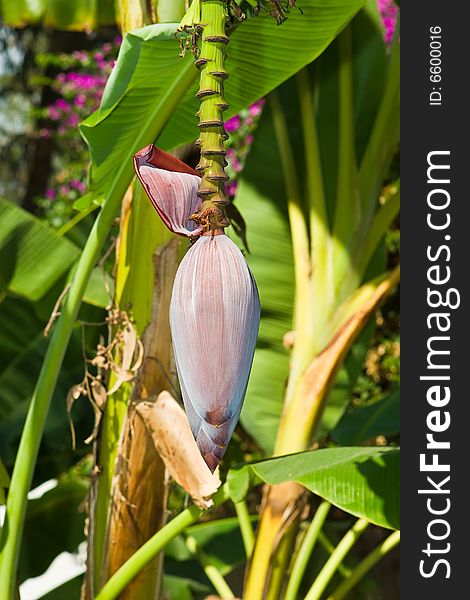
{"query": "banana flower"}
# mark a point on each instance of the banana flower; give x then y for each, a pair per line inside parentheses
(214, 310)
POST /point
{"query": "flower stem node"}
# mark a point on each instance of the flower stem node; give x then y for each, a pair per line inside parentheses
(212, 136)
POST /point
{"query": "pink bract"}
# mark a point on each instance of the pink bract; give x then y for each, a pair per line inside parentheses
(171, 186)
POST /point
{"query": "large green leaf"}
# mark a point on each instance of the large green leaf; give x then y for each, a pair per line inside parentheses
(32, 256)
(222, 544)
(34, 259)
(262, 200)
(22, 349)
(361, 424)
(362, 481)
(220, 539)
(59, 14)
(261, 56)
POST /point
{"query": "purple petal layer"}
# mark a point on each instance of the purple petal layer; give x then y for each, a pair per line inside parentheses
(172, 192)
(214, 318)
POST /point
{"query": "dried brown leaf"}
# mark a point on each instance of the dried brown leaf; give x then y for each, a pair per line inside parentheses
(168, 425)
(132, 357)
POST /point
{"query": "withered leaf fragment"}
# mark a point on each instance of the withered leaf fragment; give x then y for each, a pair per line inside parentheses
(168, 425)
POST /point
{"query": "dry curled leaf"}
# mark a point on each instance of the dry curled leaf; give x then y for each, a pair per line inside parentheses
(131, 357)
(74, 394)
(168, 425)
(99, 394)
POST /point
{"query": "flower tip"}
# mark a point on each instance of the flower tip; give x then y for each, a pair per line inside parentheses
(212, 441)
(211, 461)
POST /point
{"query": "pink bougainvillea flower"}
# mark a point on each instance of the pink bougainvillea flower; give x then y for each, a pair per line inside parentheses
(232, 124)
(214, 310)
(171, 186)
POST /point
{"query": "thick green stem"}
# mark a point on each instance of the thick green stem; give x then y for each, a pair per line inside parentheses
(213, 574)
(306, 550)
(331, 565)
(301, 353)
(320, 246)
(123, 576)
(246, 528)
(365, 565)
(280, 562)
(348, 205)
(212, 134)
(316, 191)
(326, 544)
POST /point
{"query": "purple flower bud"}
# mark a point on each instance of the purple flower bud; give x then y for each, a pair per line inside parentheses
(214, 319)
(50, 193)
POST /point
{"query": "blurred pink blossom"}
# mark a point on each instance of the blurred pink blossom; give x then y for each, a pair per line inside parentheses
(80, 100)
(78, 185)
(231, 188)
(389, 12)
(232, 124)
(256, 108)
(53, 113)
(73, 120)
(62, 104)
(79, 55)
